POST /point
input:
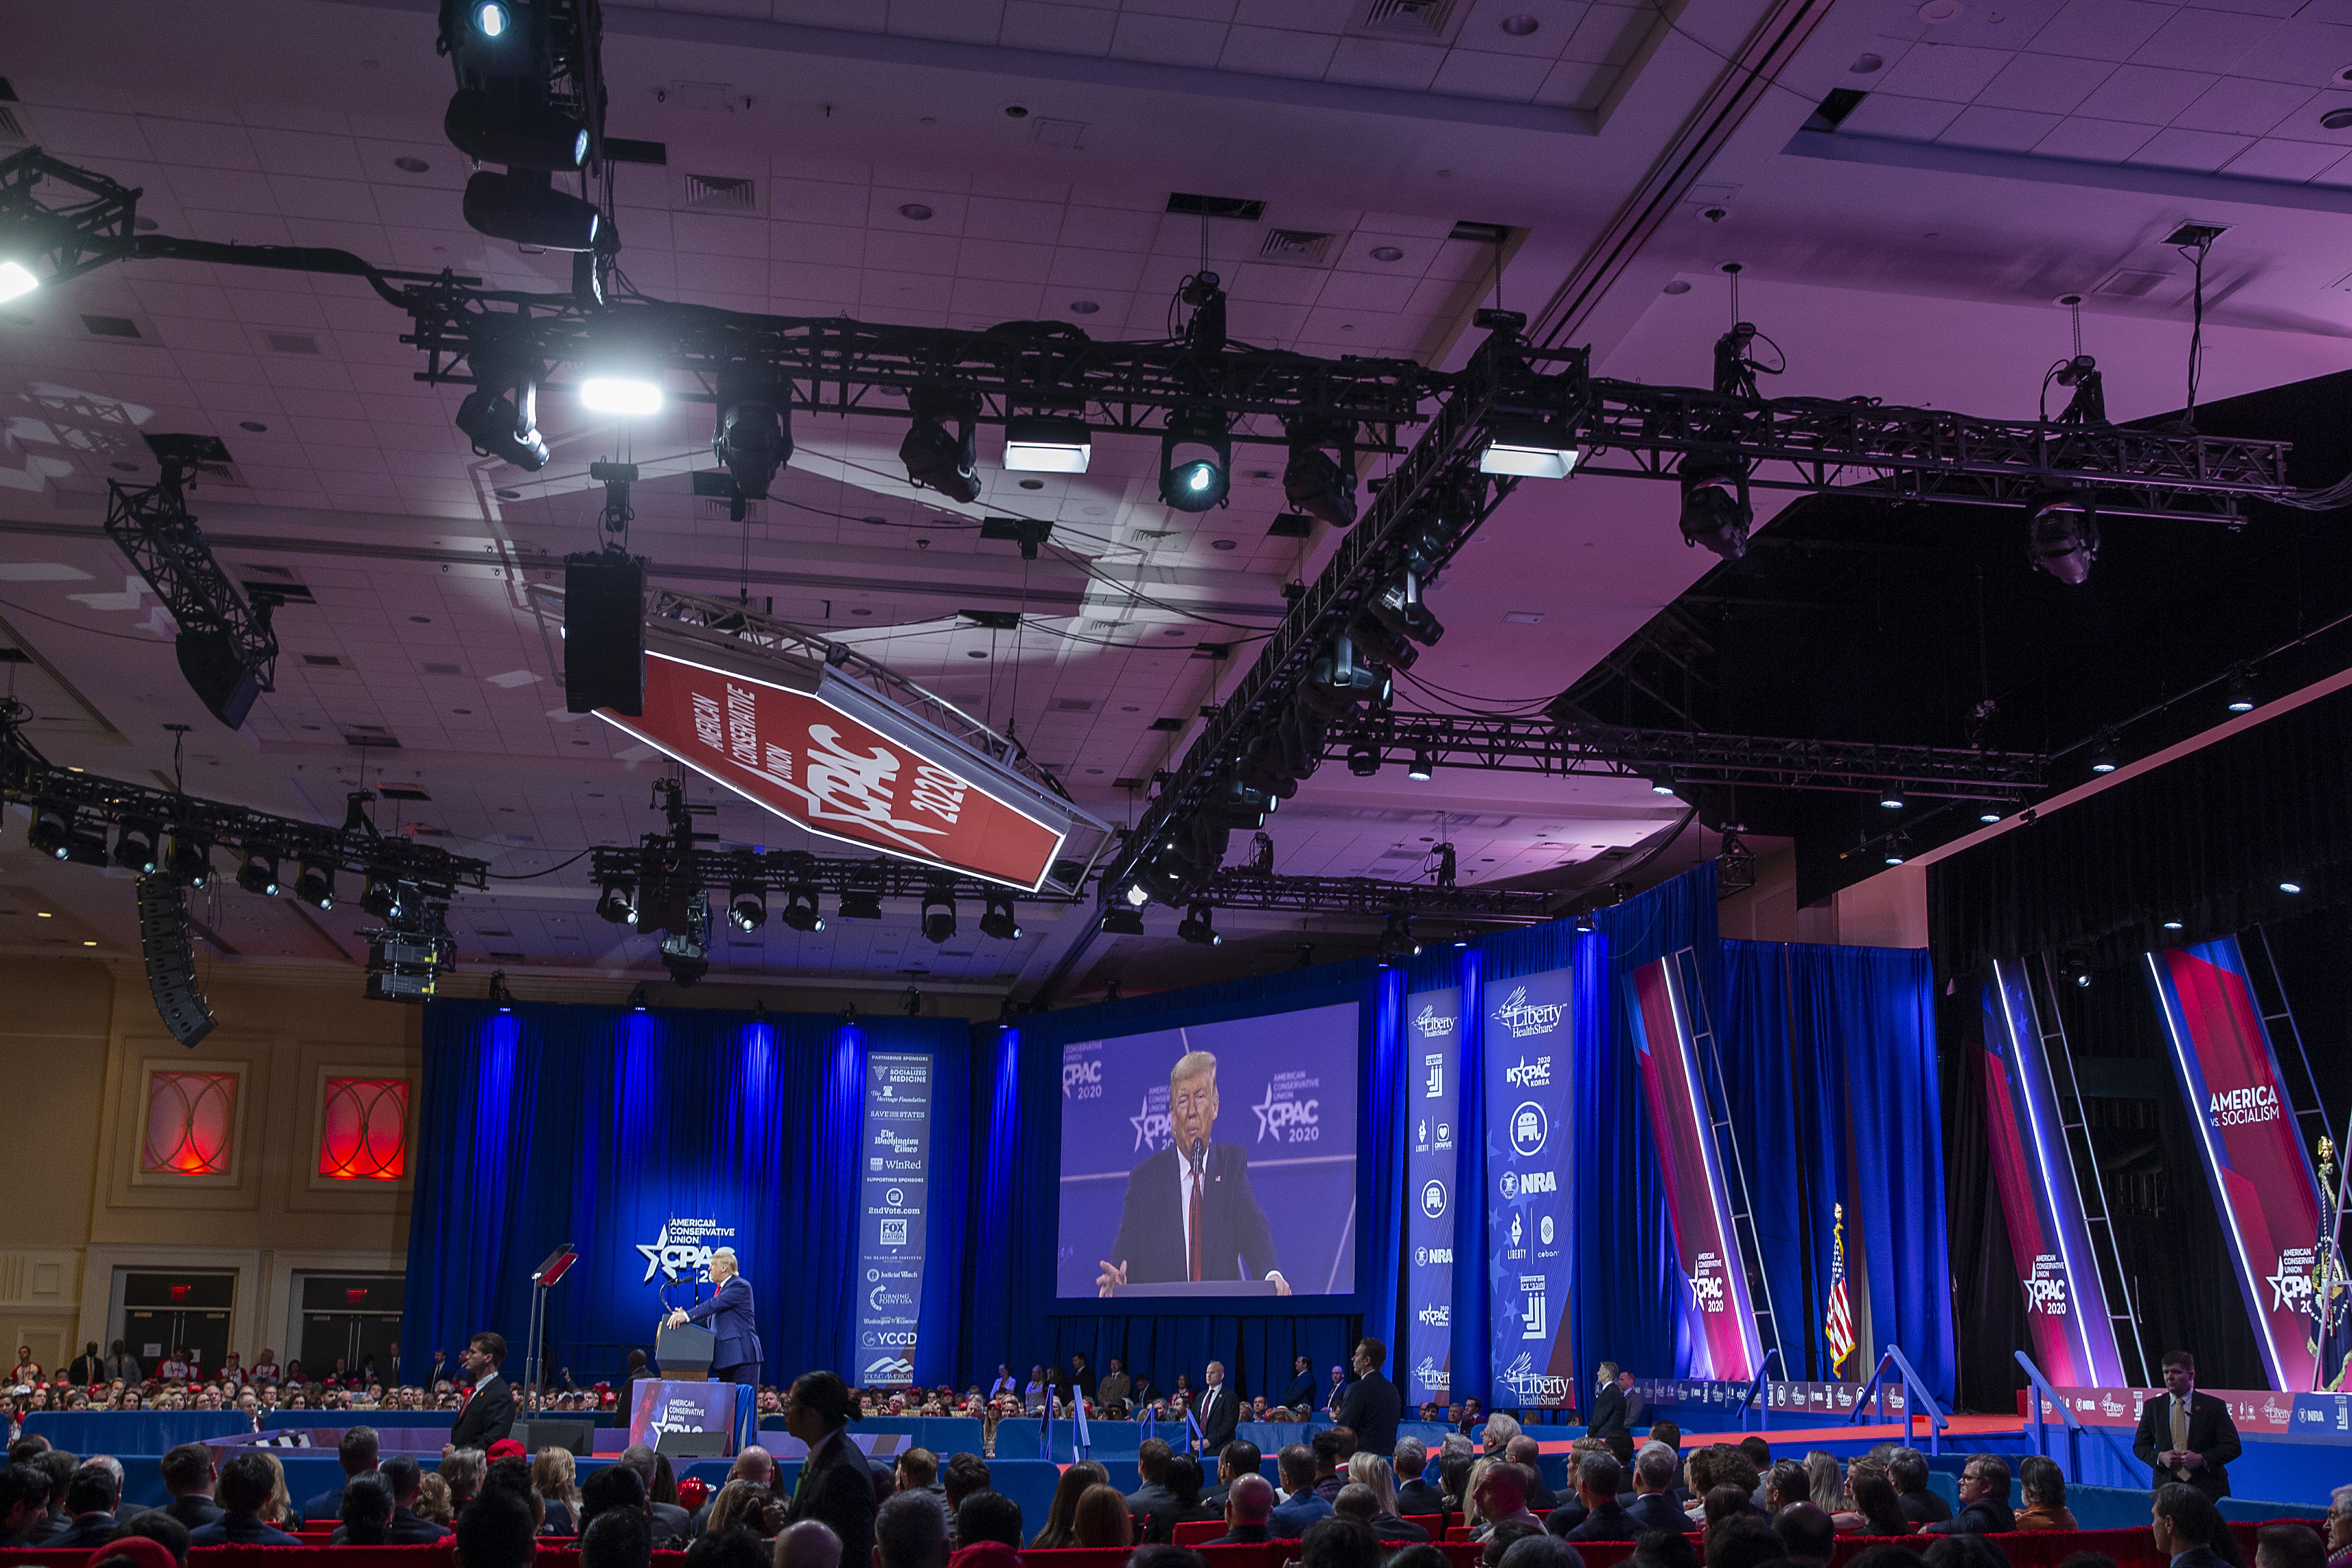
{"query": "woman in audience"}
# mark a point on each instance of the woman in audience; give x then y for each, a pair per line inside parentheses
(1877, 1508)
(2044, 1485)
(1468, 1508)
(1101, 1518)
(433, 1504)
(1822, 1472)
(1061, 1513)
(740, 1503)
(280, 1511)
(462, 1469)
(367, 1512)
(1372, 1472)
(553, 1477)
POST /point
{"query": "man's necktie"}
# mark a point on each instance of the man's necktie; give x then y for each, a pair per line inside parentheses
(1199, 1202)
(2180, 1433)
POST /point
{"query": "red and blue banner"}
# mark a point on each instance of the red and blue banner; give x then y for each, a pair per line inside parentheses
(1433, 1092)
(1724, 1342)
(1527, 1048)
(2066, 1303)
(2246, 1135)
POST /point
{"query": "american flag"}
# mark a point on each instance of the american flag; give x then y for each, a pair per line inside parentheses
(1840, 1325)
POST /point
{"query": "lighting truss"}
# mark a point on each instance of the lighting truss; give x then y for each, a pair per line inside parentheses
(1238, 888)
(75, 234)
(1537, 744)
(154, 530)
(27, 777)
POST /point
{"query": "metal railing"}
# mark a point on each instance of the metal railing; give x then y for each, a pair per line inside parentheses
(2043, 1397)
(1755, 1388)
(1916, 1401)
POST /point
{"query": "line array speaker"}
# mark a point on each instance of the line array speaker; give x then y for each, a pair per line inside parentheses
(171, 960)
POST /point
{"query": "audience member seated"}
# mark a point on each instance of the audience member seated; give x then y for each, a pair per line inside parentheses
(1336, 1543)
(1543, 1551)
(755, 1466)
(511, 1472)
(1061, 1513)
(1302, 1504)
(1414, 1495)
(1907, 1469)
(1963, 1551)
(1418, 1557)
(496, 1530)
(357, 1455)
(1729, 1499)
(279, 1512)
(1102, 1519)
(730, 1546)
(187, 1472)
(2044, 1486)
(744, 1505)
(1524, 1452)
(670, 1522)
(24, 1504)
(433, 1504)
(1654, 1506)
(1740, 1540)
(961, 1476)
(622, 1536)
(1598, 1480)
(1500, 1497)
(1785, 1483)
(2187, 1526)
(1984, 1500)
(246, 1484)
(911, 1531)
(810, 1544)
(134, 1552)
(1807, 1536)
(90, 1497)
(1238, 1458)
(1508, 1535)
(1665, 1549)
(152, 1524)
(555, 1479)
(1249, 1508)
(1877, 1508)
(2288, 1546)
(366, 1512)
(987, 1531)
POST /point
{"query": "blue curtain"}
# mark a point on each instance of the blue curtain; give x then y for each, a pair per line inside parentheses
(598, 1125)
(1830, 1063)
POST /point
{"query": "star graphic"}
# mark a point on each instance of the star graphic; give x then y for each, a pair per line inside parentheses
(2285, 1283)
(1141, 1121)
(652, 1251)
(1265, 1109)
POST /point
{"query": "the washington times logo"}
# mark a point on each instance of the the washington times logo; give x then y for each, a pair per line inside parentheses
(1524, 1018)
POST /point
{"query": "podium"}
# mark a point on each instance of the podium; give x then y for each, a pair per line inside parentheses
(685, 1352)
(1197, 1288)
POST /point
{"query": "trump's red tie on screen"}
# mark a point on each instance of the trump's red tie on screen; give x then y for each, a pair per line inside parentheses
(1194, 1240)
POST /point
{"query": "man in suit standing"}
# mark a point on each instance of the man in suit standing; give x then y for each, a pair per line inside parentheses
(1301, 1395)
(2186, 1435)
(488, 1412)
(736, 1358)
(835, 1485)
(1189, 1212)
(1218, 1411)
(2184, 1522)
(1373, 1407)
(1115, 1385)
(1611, 1408)
(89, 1367)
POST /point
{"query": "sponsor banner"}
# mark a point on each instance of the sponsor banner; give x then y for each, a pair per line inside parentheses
(2065, 1303)
(1661, 1395)
(812, 756)
(1724, 1342)
(2255, 1160)
(1526, 1044)
(897, 1157)
(2258, 1412)
(1433, 1094)
(662, 1406)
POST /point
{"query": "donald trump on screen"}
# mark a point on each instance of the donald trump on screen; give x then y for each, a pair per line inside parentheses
(1189, 1213)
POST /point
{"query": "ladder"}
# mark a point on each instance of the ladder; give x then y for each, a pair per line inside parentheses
(1718, 1113)
(2072, 1115)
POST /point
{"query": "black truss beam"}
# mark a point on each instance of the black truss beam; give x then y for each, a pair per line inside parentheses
(1239, 888)
(155, 532)
(778, 871)
(1539, 745)
(75, 234)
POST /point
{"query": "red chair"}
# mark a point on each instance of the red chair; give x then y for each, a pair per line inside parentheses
(1433, 1525)
(1193, 1532)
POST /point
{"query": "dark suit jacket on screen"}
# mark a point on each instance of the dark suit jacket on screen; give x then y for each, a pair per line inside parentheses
(2210, 1433)
(1150, 1239)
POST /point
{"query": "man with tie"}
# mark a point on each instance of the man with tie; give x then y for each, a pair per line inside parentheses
(1372, 1407)
(488, 1412)
(2187, 1437)
(729, 1312)
(1218, 1411)
(1189, 1212)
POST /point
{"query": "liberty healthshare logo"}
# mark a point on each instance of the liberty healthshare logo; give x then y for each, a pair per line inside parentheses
(1432, 1024)
(682, 1248)
(1524, 1018)
(1431, 1378)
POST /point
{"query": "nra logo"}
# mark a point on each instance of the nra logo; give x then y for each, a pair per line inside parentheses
(1527, 1184)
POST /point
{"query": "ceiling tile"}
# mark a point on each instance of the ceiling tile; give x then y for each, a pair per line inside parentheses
(1577, 84)
(2101, 29)
(2145, 94)
(2052, 84)
(1383, 62)
(2094, 140)
(2176, 149)
(1903, 118)
(1952, 73)
(2282, 160)
(2200, 40)
(2241, 107)
(1999, 129)
(1610, 33)
(966, 21)
(1063, 29)
(1168, 40)
(1515, 78)
(1277, 52)
(2301, 50)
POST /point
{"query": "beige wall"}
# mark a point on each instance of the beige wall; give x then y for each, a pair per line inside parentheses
(76, 1039)
(1889, 910)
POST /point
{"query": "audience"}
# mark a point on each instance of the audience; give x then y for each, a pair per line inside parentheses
(1963, 1551)
(987, 1518)
(810, 1544)
(244, 1490)
(150, 1524)
(1061, 1513)
(433, 1504)
(1984, 1500)
(496, 1530)
(357, 1456)
(622, 1536)
(1505, 1535)
(2044, 1486)
(962, 1475)
(731, 1546)
(1653, 1507)
(1302, 1503)
(24, 1505)
(1740, 1540)
(1877, 1509)
(1542, 1551)
(2289, 1546)
(1597, 1484)
(1101, 1518)
(1907, 1469)
(1807, 1536)
(1335, 1543)
(366, 1512)
(1249, 1504)
(91, 1496)
(187, 1475)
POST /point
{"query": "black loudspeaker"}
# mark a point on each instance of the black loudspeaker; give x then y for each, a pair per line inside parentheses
(605, 633)
(691, 1444)
(217, 674)
(576, 1436)
(171, 964)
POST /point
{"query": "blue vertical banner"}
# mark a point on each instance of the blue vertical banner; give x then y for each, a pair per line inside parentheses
(1526, 1050)
(1431, 1092)
(890, 1231)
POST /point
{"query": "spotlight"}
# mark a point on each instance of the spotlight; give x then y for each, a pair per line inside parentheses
(2102, 754)
(1396, 936)
(753, 437)
(51, 826)
(747, 906)
(999, 922)
(686, 959)
(618, 902)
(1664, 784)
(1716, 511)
(2172, 925)
(2290, 887)
(1989, 814)
(379, 895)
(85, 846)
(1898, 848)
(1424, 765)
(1123, 923)
(1195, 460)
(1891, 797)
(504, 427)
(135, 848)
(2242, 691)
(258, 873)
(939, 450)
(501, 998)
(861, 903)
(1046, 443)
(636, 1002)
(938, 916)
(1363, 761)
(490, 18)
(914, 1003)
(2082, 977)
(1318, 483)
(2062, 534)
(16, 278)
(1195, 927)
(1584, 924)
(190, 862)
(314, 885)
(625, 392)
(531, 136)
(522, 207)
(1138, 895)
(1528, 449)
(800, 909)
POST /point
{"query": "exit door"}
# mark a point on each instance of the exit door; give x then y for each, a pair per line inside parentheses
(163, 1313)
(350, 1318)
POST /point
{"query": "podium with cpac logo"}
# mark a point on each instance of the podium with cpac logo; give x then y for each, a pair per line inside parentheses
(692, 1418)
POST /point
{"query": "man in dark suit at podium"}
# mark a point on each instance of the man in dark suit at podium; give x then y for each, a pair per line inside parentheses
(1190, 1211)
(736, 1358)
(1218, 1409)
(1371, 1406)
(2187, 1437)
(488, 1413)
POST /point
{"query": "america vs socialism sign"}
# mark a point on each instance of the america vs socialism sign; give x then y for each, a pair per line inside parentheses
(812, 761)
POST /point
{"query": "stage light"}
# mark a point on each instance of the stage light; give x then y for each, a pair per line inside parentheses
(627, 394)
(747, 906)
(753, 437)
(1046, 443)
(1422, 766)
(1716, 511)
(1363, 761)
(860, 904)
(501, 998)
(2082, 977)
(2290, 887)
(2062, 534)
(999, 921)
(51, 826)
(1528, 449)
(379, 895)
(1138, 895)
(1584, 924)
(521, 206)
(16, 278)
(938, 916)
(258, 873)
(314, 885)
(2172, 925)
(1891, 797)
(2242, 691)
(190, 862)
(1123, 923)
(636, 1002)
(618, 902)
(1317, 483)
(503, 427)
(1989, 814)
(1396, 936)
(1195, 927)
(1664, 784)
(800, 909)
(84, 846)
(531, 136)
(1195, 461)
(686, 959)
(135, 848)
(938, 449)
(1898, 849)
(2102, 754)
(491, 18)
